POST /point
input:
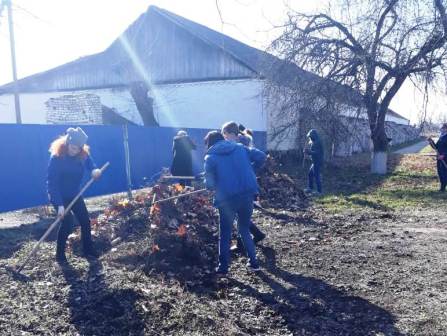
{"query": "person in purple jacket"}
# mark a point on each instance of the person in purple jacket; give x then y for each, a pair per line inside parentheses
(70, 157)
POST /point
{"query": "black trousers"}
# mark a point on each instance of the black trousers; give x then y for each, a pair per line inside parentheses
(442, 173)
(255, 231)
(66, 227)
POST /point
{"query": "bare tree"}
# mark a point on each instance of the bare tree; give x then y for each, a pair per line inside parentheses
(372, 47)
(305, 101)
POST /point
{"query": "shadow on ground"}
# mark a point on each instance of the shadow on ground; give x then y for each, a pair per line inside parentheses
(96, 309)
(310, 306)
(13, 238)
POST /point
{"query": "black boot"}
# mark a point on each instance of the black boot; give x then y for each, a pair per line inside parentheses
(89, 251)
(258, 235)
(60, 251)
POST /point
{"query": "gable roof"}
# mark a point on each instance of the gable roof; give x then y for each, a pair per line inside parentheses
(160, 47)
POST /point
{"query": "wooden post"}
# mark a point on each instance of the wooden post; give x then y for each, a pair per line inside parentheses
(127, 160)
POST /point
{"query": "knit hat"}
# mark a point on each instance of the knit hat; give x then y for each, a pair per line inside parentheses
(76, 136)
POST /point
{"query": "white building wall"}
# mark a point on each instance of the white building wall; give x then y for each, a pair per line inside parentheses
(353, 112)
(276, 122)
(210, 104)
(189, 105)
(397, 120)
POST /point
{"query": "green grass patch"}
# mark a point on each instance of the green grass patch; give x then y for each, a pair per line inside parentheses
(427, 150)
(413, 183)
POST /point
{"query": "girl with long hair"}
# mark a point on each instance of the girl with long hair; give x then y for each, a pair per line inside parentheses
(70, 157)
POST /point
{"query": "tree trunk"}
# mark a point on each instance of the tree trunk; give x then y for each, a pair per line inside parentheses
(379, 162)
(379, 153)
(144, 103)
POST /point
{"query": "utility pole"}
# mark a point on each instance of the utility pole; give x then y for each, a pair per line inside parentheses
(8, 4)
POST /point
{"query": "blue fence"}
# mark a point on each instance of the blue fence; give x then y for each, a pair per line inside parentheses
(24, 158)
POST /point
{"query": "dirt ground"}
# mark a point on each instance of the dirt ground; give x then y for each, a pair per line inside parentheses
(363, 271)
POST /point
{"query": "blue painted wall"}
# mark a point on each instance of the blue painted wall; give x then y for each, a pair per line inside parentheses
(24, 158)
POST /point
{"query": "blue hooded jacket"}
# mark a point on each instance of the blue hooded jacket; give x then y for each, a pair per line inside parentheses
(316, 147)
(230, 170)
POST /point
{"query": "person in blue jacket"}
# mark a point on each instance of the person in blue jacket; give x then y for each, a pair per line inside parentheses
(231, 131)
(316, 152)
(69, 159)
(229, 172)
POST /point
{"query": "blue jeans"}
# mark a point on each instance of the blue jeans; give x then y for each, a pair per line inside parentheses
(314, 173)
(242, 206)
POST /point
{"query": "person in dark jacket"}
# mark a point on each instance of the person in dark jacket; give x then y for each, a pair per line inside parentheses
(316, 152)
(229, 171)
(182, 163)
(245, 136)
(69, 159)
(441, 146)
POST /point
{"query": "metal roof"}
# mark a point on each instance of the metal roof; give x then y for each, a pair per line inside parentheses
(159, 47)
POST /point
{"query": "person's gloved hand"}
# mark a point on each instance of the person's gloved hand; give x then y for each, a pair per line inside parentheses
(60, 211)
(96, 173)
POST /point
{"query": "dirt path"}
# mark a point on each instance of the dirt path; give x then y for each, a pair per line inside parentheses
(40, 215)
(413, 149)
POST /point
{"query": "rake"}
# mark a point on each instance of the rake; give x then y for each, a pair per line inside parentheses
(57, 221)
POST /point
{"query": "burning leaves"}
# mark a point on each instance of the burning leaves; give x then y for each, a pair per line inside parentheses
(181, 232)
(178, 187)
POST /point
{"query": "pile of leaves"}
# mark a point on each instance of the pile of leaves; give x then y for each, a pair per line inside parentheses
(184, 232)
(179, 236)
(173, 237)
(279, 190)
